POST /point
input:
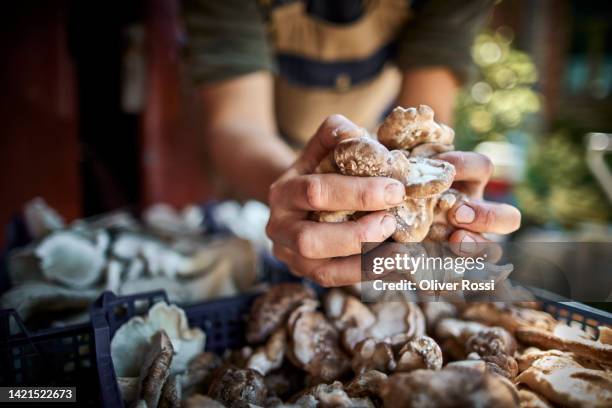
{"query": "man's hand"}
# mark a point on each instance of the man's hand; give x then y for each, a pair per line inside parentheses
(324, 252)
(473, 171)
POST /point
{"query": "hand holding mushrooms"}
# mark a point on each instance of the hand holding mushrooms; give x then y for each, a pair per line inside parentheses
(348, 187)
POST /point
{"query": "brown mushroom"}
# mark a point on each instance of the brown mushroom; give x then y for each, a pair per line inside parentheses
(156, 368)
(565, 382)
(566, 338)
(233, 386)
(314, 345)
(199, 372)
(372, 355)
(421, 352)
(368, 384)
(508, 316)
(271, 310)
(430, 149)
(436, 311)
(448, 388)
(408, 128)
(171, 393)
(270, 356)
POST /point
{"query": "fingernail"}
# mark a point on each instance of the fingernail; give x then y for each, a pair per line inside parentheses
(388, 225)
(468, 244)
(465, 215)
(394, 193)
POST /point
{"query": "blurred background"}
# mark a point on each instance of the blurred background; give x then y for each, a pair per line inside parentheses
(98, 115)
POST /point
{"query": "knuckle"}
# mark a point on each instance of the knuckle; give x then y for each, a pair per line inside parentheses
(304, 243)
(322, 277)
(488, 218)
(274, 193)
(366, 198)
(314, 194)
(487, 165)
(270, 228)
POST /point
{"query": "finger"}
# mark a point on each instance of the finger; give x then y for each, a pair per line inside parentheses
(328, 272)
(335, 192)
(285, 255)
(467, 243)
(319, 240)
(473, 171)
(333, 130)
(483, 216)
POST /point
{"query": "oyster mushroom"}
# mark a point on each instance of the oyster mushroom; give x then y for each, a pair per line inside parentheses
(233, 386)
(70, 259)
(40, 219)
(270, 356)
(314, 345)
(448, 388)
(155, 369)
(32, 298)
(271, 310)
(372, 355)
(421, 352)
(408, 128)
(132, 339)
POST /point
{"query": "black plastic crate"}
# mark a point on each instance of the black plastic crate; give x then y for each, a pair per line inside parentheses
(52, 357)
(223, 320)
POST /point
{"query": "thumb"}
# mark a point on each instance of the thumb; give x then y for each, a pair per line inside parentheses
(332, 131)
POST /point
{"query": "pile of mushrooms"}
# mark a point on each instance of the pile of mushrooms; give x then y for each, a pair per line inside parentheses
(67, 266)
(335, 351)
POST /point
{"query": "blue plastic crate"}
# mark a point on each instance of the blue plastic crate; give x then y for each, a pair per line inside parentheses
(52, 357)
(223, 320)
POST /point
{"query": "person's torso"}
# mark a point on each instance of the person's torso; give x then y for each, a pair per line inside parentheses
(333, 57)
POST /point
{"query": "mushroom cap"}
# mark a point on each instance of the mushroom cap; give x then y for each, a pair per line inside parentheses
(314, 345)
(363, 157)
(234, 384)
(407, 128)
(421, 352)
(271, 310)
(370, 354)
(449, 388)
(413, 219)
(427, 177)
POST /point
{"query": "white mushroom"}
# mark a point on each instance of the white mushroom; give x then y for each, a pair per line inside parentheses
(134, 337)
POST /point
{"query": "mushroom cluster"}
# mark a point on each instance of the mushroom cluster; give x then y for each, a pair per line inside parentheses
(67, 266)
(335, 351)
(405, 149)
